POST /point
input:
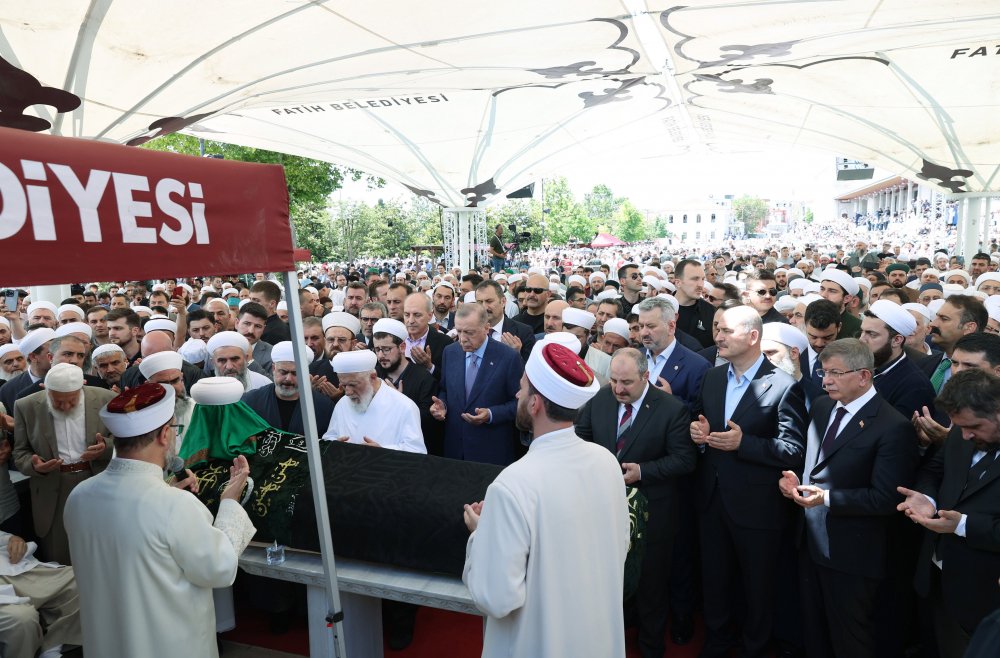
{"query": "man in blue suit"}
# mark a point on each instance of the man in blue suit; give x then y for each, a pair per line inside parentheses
(479, 383)
(672, 367)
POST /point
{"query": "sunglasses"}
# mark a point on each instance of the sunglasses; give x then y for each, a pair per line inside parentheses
(773, 292)
(537, 291)
(634, 275)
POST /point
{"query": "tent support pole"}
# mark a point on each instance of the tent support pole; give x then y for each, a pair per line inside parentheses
(335, 611)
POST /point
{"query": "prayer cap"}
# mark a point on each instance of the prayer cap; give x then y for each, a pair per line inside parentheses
(217, 391)
(4, 321)
(576, 278)
(285, 351)
(863, 281)
(950, 289)
(64, 378)
(70, 307)
(195, 351)
(598, 275)
(903, 267)
(226, 292)
(962, 273)
(389, 326)
(935, 306)
(918, 308)
(75, 328)
(987, 276)
(43, 304)
(652, 281)
(536, 270)
(139, 410)
(810, 298)
(795, 272)
(617, 326)
(895, 316)
(561, 376)
(563, 338)
(244, 301)
(228, 339)
(786, 303)
(797, 284)
(143, 309)
(842, 279)
(216, 300)
(159, 362)
(666, 285)
(673, 302)
(451, 287)
(514, 278)
(785, 334)
(554, 287)
(578, 317)
(282, 306)
(932, 286)
(107, 350)
(356, 361)
(470, 297)
(36, 339)
(161, 324)
(811, 286)
(8, 348)
(341, 319)
(496, 277)
(159, 286)
(780, 270)
(608, 293)
(993, 311)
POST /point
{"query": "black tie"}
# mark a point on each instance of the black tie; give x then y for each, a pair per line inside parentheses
(816, 379)
(977, 471)
(831, 434)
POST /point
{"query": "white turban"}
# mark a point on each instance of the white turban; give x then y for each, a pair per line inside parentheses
(470, 297)
(513, 278)
(652, 281)
(160, 324)
(555, 287)
(195, 351)
(810, 298)
(285, 351)
(962, 273)
(918, 308)
(673, 302)
(780, 270)
(578, 317)
(934, 306)
(785, 334)
(43, 304)
(244, 301)
(282, 306)
(576, 278)
(563, 338)
(796, 272)
(229, 291)
(228, 339)
(598, 275)
(863, 281)
(70, 307)
(217, 391)
(75, 328)
(154, 363)
(949, 289)
(143, 309)
(36, 339)
(356, 361)
(8, 348)
(842, 279)
(797, 284)
(107, 350)
(617, 326)
(542, 372)
(811, 286)
(64, 378)
(536, 270)
(450, 287)
(785, 303)
(895, 316)
(136, 423)
(987, 276)
(608, 293)
(341, 319)
(390, 326)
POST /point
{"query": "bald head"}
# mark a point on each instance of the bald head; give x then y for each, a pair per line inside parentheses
(553, 316)
(536, 301)
(156, 341)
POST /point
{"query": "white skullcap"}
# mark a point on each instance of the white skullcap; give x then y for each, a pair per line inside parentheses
(578, 317)
(312, 290)
(452, 288)
(226, 292)
(285, 351)
(399, 275)
(8, 348)
(987, 276)
(226, 285)
(980, 295)
(147, 419)
(673, 302)
(341, 319)
(895, 316)
(4, 321)
(46, 305)
(356, 361)
(514, 278)
(282, 306)
(217, 300)
(107, 350)
(780, 270)
(554, 277)
(785, 303)
(863, 281)
(228, 339)
(785, 334)
(144, 309)
(390, 326)
(208, 289)
(161, 324)
(244, 301)
(194, 351)
(949, 289)
(541, 372)
(189, 289)
(608, 293)
(797, 284)
(154, 363)
(731, 274)
(918, 308)
(64, 378)
(563, 338)
(576, 278)
(75, 328)
(811, 286)
(796, 272)
(70, 307)
(934, 306)
(830, 266)
(36, 339)
(598, 275)
(617, 326)
(666, 285)
(159, 286)
(536, 270)
(496, 277)
(216, 391)
(842, 279)
(810, 298)
(962, 273)
(652, 281)
(470, 297)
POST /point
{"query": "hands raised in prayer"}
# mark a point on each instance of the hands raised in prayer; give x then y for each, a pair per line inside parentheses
(45, 467)
(238, 474)
(398, 387)
(929, 431)
(421, 357)
(663, 385)
(511, 340)
(481, 416)
(472, 514)
(438, 410)
(94, 451)
(789, 485)
(728, 440)
(921, 510)
(326, 388)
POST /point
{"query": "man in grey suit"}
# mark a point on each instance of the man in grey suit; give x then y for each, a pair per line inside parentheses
(59, 441)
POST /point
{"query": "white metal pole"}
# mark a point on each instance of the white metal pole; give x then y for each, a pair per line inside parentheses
(987, 203)
(464, 250)
(959, 226)
(972, 230)
(335, 613)
(54, 294)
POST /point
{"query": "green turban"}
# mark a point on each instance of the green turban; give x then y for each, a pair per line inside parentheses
(898, 267)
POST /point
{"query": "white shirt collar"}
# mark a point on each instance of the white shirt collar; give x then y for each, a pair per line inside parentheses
(499, 330)
(855, 406)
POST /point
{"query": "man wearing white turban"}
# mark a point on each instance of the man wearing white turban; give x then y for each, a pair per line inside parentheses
(278, 403)
(228, 351)
(59, 441)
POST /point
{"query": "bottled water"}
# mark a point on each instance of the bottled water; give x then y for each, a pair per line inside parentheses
(275, 554)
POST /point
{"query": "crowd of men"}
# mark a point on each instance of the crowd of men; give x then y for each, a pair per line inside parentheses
(815, 432)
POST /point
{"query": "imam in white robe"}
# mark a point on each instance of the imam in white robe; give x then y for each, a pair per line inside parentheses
(146, 558)
(392, 420)
(547, 561)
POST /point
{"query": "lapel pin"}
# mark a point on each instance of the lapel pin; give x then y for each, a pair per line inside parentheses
(675, 367)
(862, 423)
(647, 406)
(491, 363)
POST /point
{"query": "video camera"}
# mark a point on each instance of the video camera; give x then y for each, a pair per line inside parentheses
(517, 239)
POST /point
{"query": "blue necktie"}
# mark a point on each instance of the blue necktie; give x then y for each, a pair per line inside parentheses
(470, 375)
(816, 379)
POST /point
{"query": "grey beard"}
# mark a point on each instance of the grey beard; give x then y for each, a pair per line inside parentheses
(241, 376)
(7, 376)
(786, 364)
(287, 391)
(182, 407)
(361, 406)
(73, 414)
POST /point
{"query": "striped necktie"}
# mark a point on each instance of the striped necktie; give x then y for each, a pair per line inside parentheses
(623, 427)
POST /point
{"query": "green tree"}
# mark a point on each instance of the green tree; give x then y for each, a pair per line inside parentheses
(567, 217)
(751, 211)
(631, 223)
(659, 229)
(602, 208)
(526, 214)
(313, 230)
(808, 216)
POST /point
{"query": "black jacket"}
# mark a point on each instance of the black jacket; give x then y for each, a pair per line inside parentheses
(275, 330)
(773, 315)
(191, 373)
(905, 386)
(702, 328)
(420, 386)
(437, 341)
(264, 402)
(523, 332)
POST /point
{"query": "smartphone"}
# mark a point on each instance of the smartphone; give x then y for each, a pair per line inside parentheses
(10, 299)
(178, 293)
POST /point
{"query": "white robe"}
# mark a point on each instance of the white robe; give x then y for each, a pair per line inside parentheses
(147, 556)
(547, 562)
(392, 420)
(598, 361)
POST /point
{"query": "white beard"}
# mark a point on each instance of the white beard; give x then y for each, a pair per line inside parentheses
(786, 365)
(74, 414)
(361, 406)
(242, 376)
(7, 376)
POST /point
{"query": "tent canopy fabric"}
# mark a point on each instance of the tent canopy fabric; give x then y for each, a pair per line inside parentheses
(461, 102)
(605, 240)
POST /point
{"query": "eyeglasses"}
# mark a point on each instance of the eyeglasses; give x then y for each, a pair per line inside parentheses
(713, 298)
(773, 292)
(837, 374)
(537, 291)
(634, 275)
(370, 320)
(990, 330)
(383, 350)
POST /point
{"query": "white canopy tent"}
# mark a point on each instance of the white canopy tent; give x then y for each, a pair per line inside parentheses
(460, 101)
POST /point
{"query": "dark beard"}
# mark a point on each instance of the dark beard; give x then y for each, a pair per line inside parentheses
(883, 355)
(898, 284)
(523, 419)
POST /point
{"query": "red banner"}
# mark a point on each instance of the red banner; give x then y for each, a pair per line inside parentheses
(77, 211)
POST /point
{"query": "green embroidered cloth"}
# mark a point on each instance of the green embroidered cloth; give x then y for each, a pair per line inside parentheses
(638, 514)
(220, 432)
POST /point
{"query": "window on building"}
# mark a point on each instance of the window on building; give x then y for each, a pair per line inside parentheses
(670, 219)
(697, 236)
(684, 236)
(697, 219)
(713, 217)
(712, 237)
(685, 220)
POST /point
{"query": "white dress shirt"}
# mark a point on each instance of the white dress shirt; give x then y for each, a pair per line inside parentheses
(656, 363)
(960, 529)
(71, 436)
(850, 409)
(496, 331)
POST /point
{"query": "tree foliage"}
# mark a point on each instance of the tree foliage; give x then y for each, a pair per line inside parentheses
(751, 210)
(631, 223)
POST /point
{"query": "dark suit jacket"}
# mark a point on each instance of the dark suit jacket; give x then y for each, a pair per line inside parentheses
(275, 330)
(683, 371)
(971, 563)
(420, 386)
(88, 380)
(850, 326)
(705, 313)
(772, 417)
(930, 363)
(659, 441)
(687, 340)
(773, 315)
(875, 452)
(811, 391)
(10, 389)
(710, 354)
(451, 323)
(191, 373)
(265, 403)
(522, 331)
(323, 368)
(496, 386)
(987, 638)
(906, 388)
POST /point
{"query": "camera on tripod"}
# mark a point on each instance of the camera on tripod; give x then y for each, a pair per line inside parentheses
(517, 239)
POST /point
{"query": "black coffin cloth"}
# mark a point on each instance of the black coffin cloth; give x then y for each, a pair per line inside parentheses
(396, 508)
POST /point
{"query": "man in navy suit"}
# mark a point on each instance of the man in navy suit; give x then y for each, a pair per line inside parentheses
(512, 333)
(672, 367)
(477, 399)
(750, 422)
